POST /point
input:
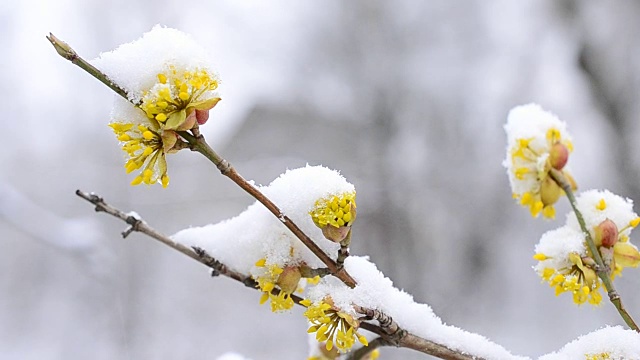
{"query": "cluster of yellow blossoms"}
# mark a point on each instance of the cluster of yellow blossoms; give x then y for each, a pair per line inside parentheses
(146, 147)
(574, 272)
(537, 143)
(180, 98)
(286, 279)
(335, 215)
(532, 164)
(332, 326)
(176, 102)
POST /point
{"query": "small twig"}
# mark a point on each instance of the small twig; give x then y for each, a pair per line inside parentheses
(366, 350)
(137, 224)
(603, 271)
(63, 49)
(343, 253)
(309, 272)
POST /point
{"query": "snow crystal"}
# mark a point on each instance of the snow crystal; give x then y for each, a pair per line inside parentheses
(616, 342)
(255, 233)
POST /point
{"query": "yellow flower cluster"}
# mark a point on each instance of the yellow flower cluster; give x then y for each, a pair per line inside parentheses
(577, 279)
(600, 356)
(286, 279)
(174, 101)
(332, 325)
(335, 211)
(530, 166)
(178, 101)
(146, 149)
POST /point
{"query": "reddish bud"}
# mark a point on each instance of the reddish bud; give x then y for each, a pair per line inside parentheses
(558, 156)
(335, 234)
(606, 234)
(202, 116)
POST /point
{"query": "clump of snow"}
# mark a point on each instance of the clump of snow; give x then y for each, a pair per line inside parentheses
(613, 343)
(255, 233)
(375, 291)
(557, 245)
(617, 209)
(135, 66)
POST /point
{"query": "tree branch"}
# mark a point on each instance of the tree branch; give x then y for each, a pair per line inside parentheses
(390, 332)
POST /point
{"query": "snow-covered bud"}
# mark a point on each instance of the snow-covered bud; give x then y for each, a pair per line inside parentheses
(558, 156)
(606, 234)
(550, 192)
(289, 279)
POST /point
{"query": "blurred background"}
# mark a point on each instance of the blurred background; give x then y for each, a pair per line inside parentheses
(407, 99)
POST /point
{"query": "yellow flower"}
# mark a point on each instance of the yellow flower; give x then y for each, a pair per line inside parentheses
(538, 142)
(332, 326)
(181, 98)
(146, 147)
(335, 215)
(600, 356)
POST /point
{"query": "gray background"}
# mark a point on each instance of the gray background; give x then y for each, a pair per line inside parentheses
(406, 98)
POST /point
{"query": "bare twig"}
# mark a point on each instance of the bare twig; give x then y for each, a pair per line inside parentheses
(603, 271)
(388, 329)
(139, 225)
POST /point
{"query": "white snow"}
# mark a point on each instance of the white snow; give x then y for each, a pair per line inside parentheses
(375, 291)
(618, 343)
(618, 209)
(134, 66)
(256, 233)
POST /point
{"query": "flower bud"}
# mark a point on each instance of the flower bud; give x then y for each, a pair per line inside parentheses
(606, 234)
(335, 234)
(289, 278)
(550, 192)
(558, 156)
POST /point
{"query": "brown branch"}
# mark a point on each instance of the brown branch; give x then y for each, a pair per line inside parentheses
(394, 335)
(389, 331)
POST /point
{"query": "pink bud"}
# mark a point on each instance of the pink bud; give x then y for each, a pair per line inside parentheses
(606, 234)
(202, 116)
(558, 156)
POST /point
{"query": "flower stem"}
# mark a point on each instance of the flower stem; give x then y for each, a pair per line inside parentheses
(603, 271)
